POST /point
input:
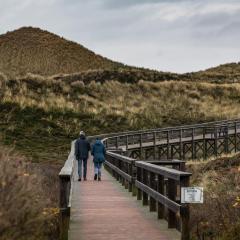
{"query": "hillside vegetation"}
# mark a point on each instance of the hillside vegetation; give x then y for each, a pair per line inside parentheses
(28, 199)
(218, 217)
(41, 116)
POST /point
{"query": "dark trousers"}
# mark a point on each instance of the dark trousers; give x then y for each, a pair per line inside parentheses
(82, 162)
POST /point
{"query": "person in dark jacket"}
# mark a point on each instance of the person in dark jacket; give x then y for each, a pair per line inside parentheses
(98, 152)
(82, 148)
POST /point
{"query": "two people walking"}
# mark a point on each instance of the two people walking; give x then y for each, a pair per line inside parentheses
(82, 149)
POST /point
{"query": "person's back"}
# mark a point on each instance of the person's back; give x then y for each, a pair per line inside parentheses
(98, 152)
(82, 148)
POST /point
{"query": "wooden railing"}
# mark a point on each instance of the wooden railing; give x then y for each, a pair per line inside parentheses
(66, 176)
(157, 186)
(122, 168)
(186, 142)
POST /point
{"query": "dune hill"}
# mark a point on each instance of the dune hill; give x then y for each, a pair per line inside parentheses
(41, 52)
(35, 51)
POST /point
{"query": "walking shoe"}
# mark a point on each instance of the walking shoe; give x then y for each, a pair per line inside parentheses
(99, 178)
(79, 179)
(95, 177)
(85, 179)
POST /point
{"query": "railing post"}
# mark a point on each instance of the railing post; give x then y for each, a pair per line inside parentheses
(160, 189)
(193, 145)
(139, 178)
(133, 174)
(185, 213)
(204, 144)
(168, 146)
(182, 166)
(172, 192)
(226, 148)
(144, 180)
(130, 172)
(181, 145)
(141, 147)
(126, 142)
(125, 169)
(215, 141)
(152, 204)
(65, 186)
(155, 143)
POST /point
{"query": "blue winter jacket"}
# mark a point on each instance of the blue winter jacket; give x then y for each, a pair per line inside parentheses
(98, 152)
(82, 147)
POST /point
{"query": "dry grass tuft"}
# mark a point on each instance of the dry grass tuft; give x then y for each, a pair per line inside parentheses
(25, 210)
(218, 217)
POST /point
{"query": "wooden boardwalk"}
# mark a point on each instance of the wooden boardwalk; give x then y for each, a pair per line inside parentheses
(105, 210)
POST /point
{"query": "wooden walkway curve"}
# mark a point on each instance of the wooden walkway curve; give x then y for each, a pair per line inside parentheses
(151, 165)
(105, 210)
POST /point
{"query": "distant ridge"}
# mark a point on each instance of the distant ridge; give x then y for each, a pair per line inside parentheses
(32, 50)
(40, 52)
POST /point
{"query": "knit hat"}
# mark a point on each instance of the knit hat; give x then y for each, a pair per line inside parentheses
(82, 133)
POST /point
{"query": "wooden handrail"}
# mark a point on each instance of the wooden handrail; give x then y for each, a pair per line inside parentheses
(66, 177)
(119, 134)
(144, 181)
(153, 194)
(185, 127)
(151, 177)
(164, 171)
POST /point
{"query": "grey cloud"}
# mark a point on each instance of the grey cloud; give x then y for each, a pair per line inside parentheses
(183, 35)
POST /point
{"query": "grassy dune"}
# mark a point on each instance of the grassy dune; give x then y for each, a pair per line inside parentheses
(41, 52)
(40, 116)
(32, 50)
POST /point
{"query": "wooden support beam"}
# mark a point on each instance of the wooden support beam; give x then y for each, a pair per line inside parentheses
(215, 141)
(185, 213)
(152, 201)
(139, 178)
(144, 194)
(168, 146)
(172, 192)
(160, 189)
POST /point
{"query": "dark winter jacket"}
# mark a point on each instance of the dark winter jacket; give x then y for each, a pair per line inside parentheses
(98, 152)
(82, 147)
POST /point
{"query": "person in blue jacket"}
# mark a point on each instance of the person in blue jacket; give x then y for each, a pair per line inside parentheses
(98, 152)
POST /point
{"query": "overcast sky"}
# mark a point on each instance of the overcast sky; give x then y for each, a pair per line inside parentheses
(174, 35)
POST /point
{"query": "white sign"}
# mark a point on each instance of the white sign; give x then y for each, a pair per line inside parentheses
(191, 195)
